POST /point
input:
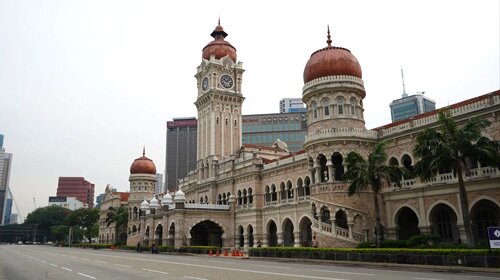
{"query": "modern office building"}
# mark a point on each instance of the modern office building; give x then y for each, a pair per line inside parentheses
(71, 203)
(98, 200)
(159, 183)
(180, 156)
(411, 105)
(292, 105)
(77, 187)
(5, 165)
(265, 129)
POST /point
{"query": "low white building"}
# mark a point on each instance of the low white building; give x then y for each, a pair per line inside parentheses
(71, 203)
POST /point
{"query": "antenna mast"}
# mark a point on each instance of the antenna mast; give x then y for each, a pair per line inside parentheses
(403, 78)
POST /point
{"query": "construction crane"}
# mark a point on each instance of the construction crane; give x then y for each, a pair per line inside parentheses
(34, 203)
(21, 219)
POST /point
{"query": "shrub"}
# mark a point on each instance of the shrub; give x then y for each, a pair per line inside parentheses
(423, 241)
(394, 244)
(365, 245)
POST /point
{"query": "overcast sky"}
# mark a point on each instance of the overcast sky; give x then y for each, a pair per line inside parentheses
(85, 84)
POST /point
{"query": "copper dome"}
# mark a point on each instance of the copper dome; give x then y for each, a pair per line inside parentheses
(143, 165)
(331, 61)
(219, 47)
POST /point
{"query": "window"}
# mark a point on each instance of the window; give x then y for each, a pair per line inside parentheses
(217, 120)
(235, 123)
(327, 111)
(340, 105)
(227, 121)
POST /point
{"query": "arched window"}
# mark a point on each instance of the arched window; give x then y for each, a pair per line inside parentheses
(267, 195)
(227, 121)
(326, 107)
(315, 109)
(289, 189)
(217, 120)
(340, 105)
(274, 195)
(239, 197)
(250, 196)
(245, 196)
(224, 199)
(353, 106)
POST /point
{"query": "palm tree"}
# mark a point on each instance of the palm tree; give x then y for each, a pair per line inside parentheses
(119, 216)
(456, 149)
(372, 174)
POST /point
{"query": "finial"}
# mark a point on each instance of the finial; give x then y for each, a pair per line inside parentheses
(329, 41)
(219, 20)
(144, 150)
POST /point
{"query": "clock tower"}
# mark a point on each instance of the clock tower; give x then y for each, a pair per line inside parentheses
(219, 103)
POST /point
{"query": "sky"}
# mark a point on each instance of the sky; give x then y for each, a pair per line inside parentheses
(84, 85)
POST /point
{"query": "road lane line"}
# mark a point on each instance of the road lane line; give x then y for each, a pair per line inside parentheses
(196, 278)
(43, 261)
(354, 273)
(271, 266)
(155, 271)
(486, 277)
(65, 268)
(53, 264)
(418, 278)
(85, 259)
(74, 257)
(91, 277)
(101, 261)
(122, 265)
(222, 262)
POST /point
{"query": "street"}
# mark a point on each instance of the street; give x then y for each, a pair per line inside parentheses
(18, 262)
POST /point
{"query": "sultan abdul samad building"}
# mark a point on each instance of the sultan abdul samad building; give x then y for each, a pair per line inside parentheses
(240, 194)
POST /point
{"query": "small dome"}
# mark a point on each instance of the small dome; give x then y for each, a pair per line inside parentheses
(331, 61)
(143, 165)
(153, 203)
(219, 47)
(167, 199)
(144, 205)
(179, 196)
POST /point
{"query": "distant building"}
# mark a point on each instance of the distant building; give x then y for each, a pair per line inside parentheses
(411, 105)
(159, 183)
(71, 203)
(14, 218)
(77, 187)
(8, 209)
(292, 105)
(180, 157)
(265, 129)
(5, 165)
(98, 200)
(111, 234)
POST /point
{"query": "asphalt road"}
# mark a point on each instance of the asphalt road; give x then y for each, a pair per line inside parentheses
(19, 262)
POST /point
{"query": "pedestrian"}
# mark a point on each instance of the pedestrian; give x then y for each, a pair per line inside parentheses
(153, 249)
(259, 244)
(138, 247)
(315, 242)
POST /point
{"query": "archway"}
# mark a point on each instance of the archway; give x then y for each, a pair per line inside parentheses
(159, 235)
(272, 237)
(305, 233)
(307, 186)
(341, 219)
(407, 163)
(484, 214)
(206, 233)
(241, 237)
(324, 213)
(407, 221)
(323, 174)
(171, 235)
(250, 235)
(444, 223)
(288, 236)
(337, 161)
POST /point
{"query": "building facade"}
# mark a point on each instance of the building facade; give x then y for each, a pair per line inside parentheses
(110, 234)
(411, 105)
(292, 105)
(240, 195)
(266, 129)
(5, 166)
(180, 156)
(77, 187)
(71, 203)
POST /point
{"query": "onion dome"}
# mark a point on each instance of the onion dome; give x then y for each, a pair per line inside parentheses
(219, 47)
(179, 196)
(167, 199)
(143, 165)
(144, 205)
(331, 61)
(153, 203)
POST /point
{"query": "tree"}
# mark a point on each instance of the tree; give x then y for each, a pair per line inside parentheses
(455, 149)
(45, 218)
(84, 218)
(119, 216)
(371, 174)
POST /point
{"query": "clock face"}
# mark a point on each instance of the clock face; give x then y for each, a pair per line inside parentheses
(204, 84)
(226, 81)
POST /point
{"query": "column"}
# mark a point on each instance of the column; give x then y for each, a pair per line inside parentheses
(280, 238)
(317, 167)
(296, 239)
(331, 172)
(350, 225)
(245, 242)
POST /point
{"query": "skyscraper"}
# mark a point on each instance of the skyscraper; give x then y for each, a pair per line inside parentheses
(77, 187)
(180, 156)
(5, 163)
(292, 105)
(159, 183)
(409, 106)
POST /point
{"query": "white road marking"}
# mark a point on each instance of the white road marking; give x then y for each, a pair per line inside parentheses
(53, 264)
(271, 266)
(418, 278)
(222, 262)
(196, 278)
(155, 271)
(122, 265)
(65, 268)
(91, 277)
(85, 259)
(101, 261)
(74, 257)
(354, 273)
(484, 277)
(43, 261)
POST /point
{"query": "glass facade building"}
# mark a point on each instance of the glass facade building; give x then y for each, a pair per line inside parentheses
(265, 129)
(409, 106)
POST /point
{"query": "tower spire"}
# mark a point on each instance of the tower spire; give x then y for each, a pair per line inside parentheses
(144, 150)
(403, 78)
(329, 41)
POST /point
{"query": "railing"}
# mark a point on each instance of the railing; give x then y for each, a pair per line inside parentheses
(206, 206)
(342, 232)
(271, 203)
(358, 236)
(341, 132)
